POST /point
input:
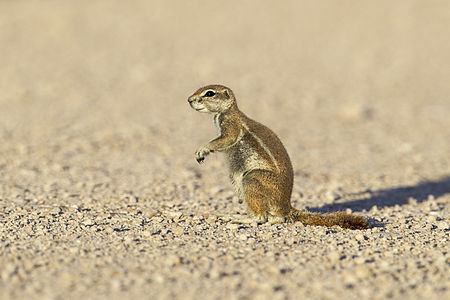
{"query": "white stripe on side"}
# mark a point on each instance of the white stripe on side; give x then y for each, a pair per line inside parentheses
(261, 143)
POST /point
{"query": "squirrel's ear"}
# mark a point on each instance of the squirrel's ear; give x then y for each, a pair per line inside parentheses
(226, 94)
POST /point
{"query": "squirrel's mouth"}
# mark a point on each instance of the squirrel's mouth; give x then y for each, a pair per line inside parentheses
(198, 108)
(201, 109)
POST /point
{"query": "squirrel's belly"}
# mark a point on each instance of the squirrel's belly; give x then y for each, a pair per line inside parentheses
(242, 158)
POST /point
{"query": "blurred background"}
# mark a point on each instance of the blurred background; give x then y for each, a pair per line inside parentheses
(355, 89)
(100, 193)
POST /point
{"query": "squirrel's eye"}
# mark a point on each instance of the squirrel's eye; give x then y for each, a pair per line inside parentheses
(210, 94)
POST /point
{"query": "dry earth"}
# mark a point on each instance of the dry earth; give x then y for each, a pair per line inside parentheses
(100, 194)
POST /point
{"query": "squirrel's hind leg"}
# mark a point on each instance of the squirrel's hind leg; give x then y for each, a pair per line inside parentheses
(258, 191)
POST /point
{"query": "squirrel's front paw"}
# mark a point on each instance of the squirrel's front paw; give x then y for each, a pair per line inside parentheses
(201, 153)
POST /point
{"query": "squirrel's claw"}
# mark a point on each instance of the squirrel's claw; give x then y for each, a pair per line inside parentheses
(200, 154)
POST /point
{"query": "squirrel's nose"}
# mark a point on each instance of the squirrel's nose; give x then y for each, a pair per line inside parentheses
(191, 99)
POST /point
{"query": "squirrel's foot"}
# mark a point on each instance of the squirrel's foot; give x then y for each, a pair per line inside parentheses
(243, 219)
(276, 219)
(201, 153)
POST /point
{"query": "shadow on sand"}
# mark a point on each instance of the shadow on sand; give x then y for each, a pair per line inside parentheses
(389, 197)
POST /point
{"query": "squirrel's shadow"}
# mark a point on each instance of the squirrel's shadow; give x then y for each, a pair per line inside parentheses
(365, 200)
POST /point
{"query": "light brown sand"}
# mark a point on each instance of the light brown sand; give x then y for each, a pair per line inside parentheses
(100, 194)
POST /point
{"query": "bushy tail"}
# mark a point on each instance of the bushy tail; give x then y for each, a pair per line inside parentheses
(339, 218)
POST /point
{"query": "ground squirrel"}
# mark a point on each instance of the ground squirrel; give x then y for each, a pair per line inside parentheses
(259, 166)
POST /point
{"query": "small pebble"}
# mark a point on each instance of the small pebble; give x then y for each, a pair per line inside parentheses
(359, 237)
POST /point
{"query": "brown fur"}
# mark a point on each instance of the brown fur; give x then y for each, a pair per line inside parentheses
(339, 218)
(259, 166)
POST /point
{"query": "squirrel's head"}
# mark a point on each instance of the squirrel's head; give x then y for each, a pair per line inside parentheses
(212, 99)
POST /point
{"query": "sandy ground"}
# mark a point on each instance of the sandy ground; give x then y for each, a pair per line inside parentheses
(100, 194)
